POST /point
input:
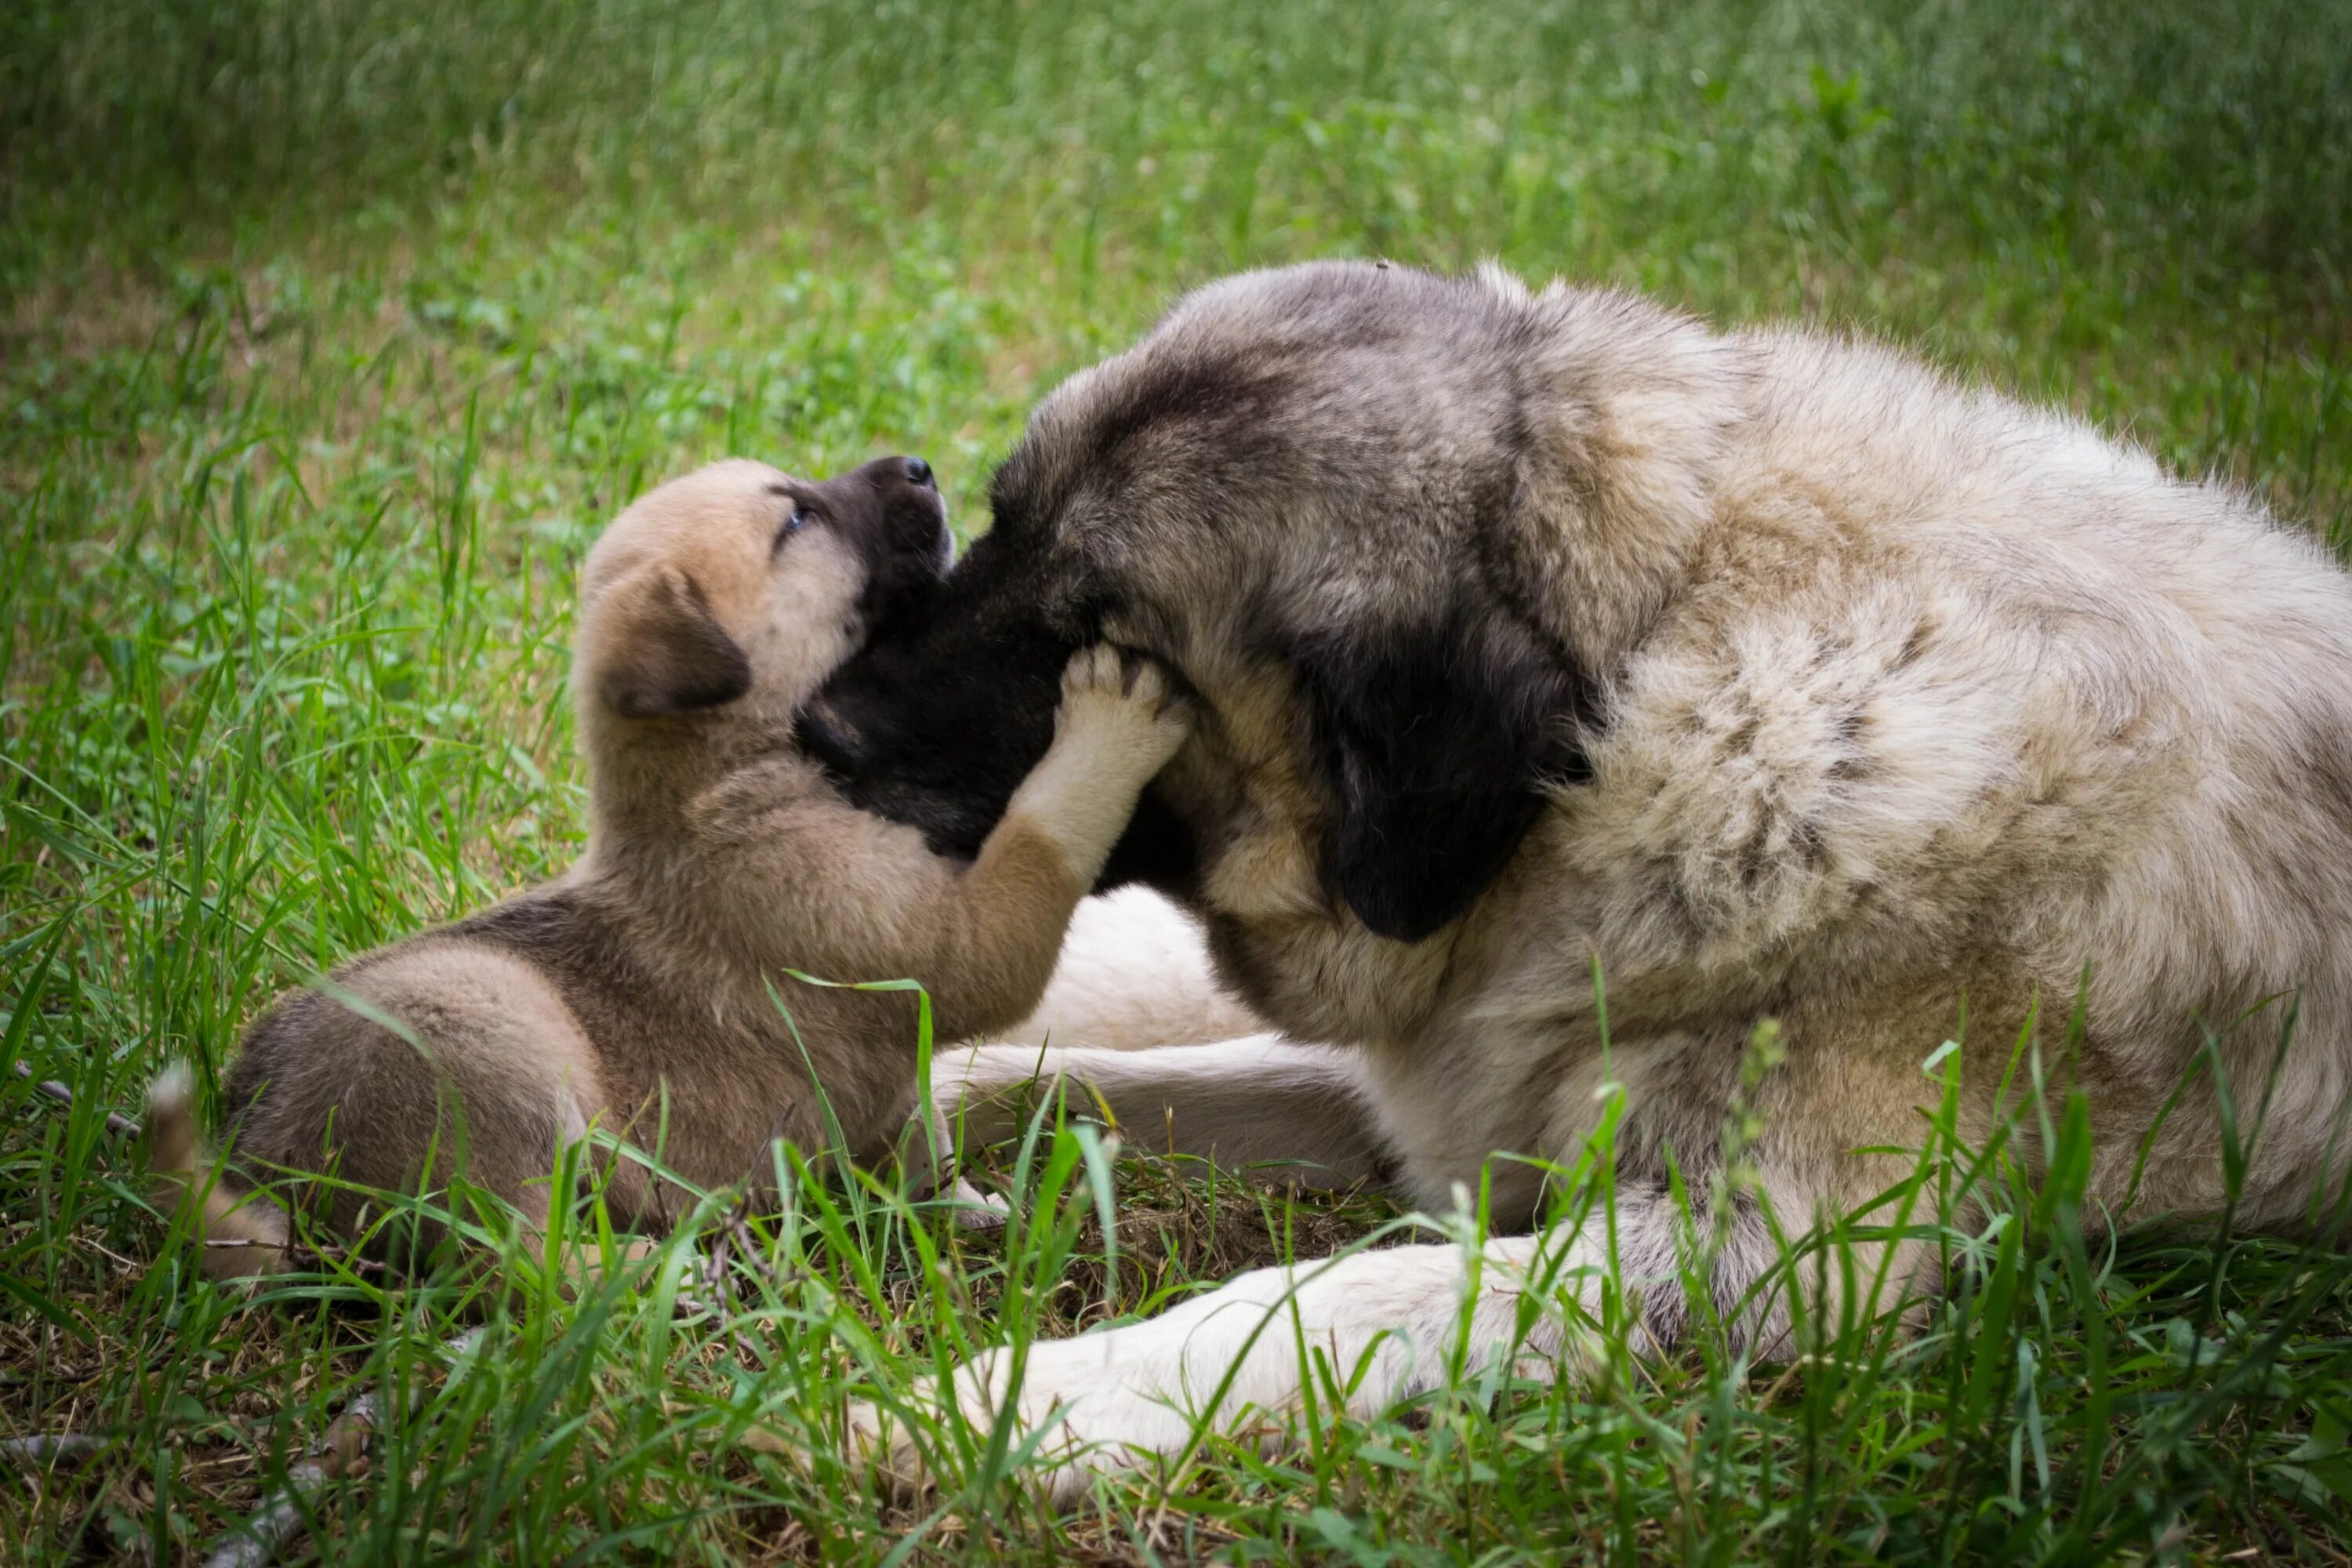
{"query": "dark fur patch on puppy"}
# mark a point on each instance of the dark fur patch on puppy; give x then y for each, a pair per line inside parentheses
(905, 543)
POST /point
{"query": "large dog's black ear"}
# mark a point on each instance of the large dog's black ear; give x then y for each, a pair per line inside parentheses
(1439, 743)
(660, 650)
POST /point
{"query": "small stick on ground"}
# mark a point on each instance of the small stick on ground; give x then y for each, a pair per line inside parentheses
(340, 1449)
(716, 1270)
(44, 1450)
(120, 1126)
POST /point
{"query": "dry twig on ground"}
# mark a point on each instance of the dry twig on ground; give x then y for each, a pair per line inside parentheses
(119, 1125)
(341, 1449)
(44, 1450)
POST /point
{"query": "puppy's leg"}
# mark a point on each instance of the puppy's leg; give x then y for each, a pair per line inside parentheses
(1120, 720)
(437, 1057)
(1300, 1113)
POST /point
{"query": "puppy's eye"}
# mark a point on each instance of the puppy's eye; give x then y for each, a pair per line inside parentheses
(793, 522)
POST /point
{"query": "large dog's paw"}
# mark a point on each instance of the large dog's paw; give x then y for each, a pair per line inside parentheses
(1367, 1327)
(1094, 1403)
(1125, 702)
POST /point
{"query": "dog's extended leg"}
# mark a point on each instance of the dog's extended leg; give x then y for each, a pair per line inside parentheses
(1295, 1113)
(1356, 1333)
(1360, 1331)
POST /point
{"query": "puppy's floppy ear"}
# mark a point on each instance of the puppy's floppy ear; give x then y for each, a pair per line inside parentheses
(1438, 741)
(663, 650)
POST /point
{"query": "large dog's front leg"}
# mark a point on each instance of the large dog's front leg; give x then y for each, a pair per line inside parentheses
(1295, 1113)
(1355, 1333)
(1134, 973)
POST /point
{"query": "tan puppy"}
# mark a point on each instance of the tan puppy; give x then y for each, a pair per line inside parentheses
(645, 991)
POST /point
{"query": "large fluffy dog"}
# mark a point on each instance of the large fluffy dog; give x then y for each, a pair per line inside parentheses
(1779, 675)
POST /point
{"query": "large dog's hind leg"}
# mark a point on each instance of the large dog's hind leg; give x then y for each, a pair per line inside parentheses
(1295, 1113)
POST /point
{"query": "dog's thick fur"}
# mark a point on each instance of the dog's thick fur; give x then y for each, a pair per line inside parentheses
(645, 990)
(1777, 673)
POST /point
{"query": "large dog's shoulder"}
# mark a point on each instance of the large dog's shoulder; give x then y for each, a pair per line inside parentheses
(1947, 676)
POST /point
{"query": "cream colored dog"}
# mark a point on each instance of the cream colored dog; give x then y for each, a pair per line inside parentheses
(1134, 973)
(1772, 674)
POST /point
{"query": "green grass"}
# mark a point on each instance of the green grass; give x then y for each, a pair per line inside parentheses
(333, 332)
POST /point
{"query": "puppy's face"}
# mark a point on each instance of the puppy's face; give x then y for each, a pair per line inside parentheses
(739, 582)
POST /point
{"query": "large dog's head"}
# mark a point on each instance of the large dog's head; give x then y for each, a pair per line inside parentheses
(1372, 515)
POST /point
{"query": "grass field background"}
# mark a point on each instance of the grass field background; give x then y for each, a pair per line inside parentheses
(333, 332)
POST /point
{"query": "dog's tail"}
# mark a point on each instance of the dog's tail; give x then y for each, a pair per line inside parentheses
(238, 1233)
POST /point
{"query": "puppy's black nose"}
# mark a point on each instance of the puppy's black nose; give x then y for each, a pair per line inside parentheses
(918, 471)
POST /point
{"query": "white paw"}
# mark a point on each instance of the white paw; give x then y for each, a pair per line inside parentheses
(1094, 1398)
(976, 1210)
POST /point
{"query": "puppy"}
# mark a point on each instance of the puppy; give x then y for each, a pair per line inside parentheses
(646, 990)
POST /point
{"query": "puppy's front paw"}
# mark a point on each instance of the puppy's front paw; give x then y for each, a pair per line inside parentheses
(1125, 702)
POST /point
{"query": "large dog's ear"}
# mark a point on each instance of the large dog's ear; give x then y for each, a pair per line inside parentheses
(660, 650)
(1439, 743)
